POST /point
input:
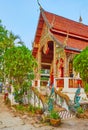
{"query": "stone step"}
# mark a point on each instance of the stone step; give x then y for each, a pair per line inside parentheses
(66, 114)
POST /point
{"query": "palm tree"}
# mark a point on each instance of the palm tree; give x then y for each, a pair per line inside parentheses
(7, 40)
(14, 40)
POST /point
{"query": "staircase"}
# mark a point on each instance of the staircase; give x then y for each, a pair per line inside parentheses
(63, 112)
(66, 114)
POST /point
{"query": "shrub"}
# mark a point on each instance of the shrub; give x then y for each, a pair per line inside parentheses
(86, 88)
(80, 110)
(54, 115)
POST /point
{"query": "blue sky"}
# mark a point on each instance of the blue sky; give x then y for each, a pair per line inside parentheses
(21, 16)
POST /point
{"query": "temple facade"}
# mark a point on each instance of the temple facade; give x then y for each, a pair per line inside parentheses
(57, 41)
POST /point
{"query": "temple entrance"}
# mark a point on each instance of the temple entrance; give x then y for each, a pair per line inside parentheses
(46, 63)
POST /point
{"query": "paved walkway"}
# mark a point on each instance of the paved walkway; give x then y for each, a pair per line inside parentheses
(9, 121)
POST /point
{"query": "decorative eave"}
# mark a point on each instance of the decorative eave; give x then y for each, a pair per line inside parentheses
(45, 19)
(37, 36)
(34, 51)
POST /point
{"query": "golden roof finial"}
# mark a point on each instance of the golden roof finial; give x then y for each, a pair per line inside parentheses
(80, 19)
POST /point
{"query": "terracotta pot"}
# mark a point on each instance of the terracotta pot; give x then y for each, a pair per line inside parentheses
(81, 115)
(55, 122)
(38, 111)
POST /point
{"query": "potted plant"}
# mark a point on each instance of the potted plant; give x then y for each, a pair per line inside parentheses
(55, 119)
(38, 110)
(80, 112)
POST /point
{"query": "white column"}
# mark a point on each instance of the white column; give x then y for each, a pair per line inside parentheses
(54, 62)
(66, 84)
(39, 68)
(38, 84)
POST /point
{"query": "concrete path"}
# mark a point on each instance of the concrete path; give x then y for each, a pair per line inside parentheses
(9, 121)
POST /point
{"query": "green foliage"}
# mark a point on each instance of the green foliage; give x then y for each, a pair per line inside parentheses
(80, 110)
(16, 62)
(3, 35)
(19, 62)
(38, 108)
(44, 78)
(20, 107)
(26, 108)
(86, 88)
(19, 66)
(7, 40)
(54, 114)
(31, 108)
(18, 95)
(80, 64)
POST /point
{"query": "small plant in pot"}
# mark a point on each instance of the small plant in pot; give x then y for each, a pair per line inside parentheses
(80, 112)
(55, 119)
(38, 110)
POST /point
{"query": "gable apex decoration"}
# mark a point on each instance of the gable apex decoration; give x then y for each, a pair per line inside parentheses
(50, 27)
(44, 17)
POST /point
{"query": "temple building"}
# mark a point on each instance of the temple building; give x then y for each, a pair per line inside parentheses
(57, 41)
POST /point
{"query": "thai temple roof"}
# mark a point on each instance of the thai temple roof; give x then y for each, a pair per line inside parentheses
(70, 34)
(60, 23)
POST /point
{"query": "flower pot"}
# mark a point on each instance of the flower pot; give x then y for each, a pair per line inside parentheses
(38, 111)
(80, 115)
(55, 122)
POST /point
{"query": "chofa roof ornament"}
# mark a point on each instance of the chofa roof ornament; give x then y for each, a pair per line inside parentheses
(39, 3)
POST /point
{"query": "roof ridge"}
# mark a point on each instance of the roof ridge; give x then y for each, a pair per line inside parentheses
(82, 24)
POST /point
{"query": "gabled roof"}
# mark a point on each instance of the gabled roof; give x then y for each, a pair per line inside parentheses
(62, 27)
(75, 34)
(66, 25)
